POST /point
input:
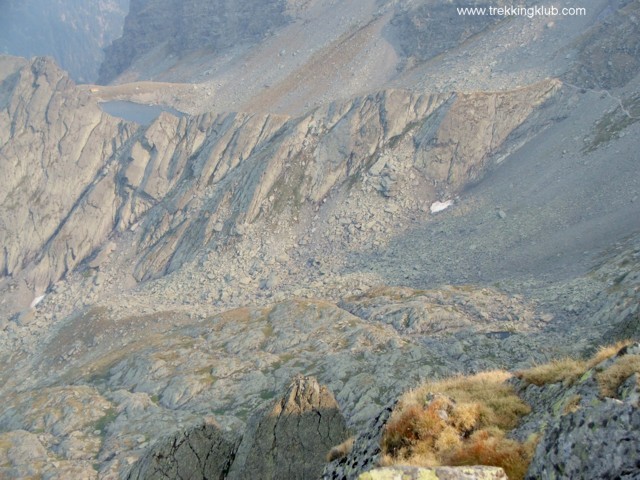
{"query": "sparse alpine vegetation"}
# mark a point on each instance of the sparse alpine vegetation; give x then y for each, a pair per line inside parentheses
(471, 420)
(459, 421)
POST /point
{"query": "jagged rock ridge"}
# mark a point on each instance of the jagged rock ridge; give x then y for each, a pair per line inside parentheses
(195, 180)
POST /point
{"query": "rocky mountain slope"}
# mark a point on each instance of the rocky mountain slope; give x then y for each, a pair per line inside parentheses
(373, 211)
(180, 28)
(195, 183)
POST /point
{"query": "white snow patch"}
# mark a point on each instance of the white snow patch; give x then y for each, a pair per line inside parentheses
(36, 301)
(440, 206)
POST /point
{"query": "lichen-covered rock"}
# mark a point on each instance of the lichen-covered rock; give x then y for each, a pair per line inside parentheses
(438, 473)
(202, 452)
(587, 432)
(593, 442)
(365, 452)
(291, 439)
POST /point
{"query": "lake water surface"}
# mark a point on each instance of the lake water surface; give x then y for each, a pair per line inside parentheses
(137, 112)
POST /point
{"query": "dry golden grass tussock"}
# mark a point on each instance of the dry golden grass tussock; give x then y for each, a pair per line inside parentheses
(340, 451)
(495, 400)
(572, 404)
(569, 370)
(490, 447)
(457, 421)
(607, 351)
(610, 379)
(566, 370)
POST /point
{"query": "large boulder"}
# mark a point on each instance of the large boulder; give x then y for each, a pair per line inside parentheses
(292, 438)
(199, 453)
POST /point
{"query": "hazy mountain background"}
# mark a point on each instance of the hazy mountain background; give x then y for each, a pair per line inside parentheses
(74, 32)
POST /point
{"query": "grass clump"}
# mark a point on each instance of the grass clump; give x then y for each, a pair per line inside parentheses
(569, 370)
(566, 370)
(491, 447)
(610, 379)
(488, 392)
(572, 404)
(464, 421)
(607, 352)
(341, 451)
(459, 421)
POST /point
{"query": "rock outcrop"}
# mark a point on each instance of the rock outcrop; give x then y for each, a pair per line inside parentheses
(442, 312)
(291, 439)
(199, 453)
(594, 442)
(62, 150)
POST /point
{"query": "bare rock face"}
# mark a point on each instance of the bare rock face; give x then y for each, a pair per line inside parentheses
(197, 183)
(202, 452)
(291, 439)
(60, 146)
(266, 168)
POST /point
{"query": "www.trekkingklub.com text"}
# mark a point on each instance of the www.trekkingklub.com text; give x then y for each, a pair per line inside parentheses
(520, 11)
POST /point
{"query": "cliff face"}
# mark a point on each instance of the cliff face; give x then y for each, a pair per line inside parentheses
(61, 148)
(183, 27)
(194, 181)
